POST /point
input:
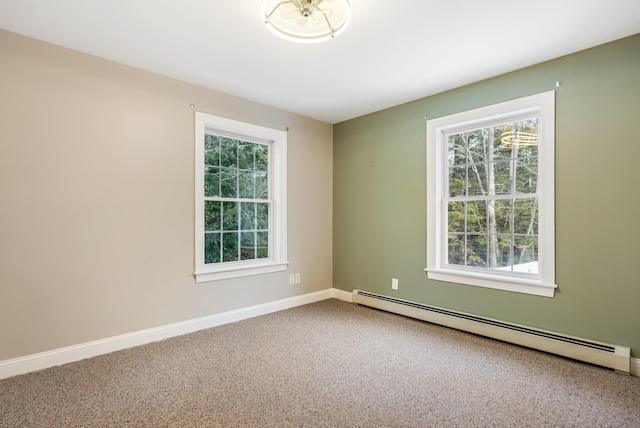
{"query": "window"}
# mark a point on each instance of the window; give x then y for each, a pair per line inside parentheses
(490, 196)
(240, 199)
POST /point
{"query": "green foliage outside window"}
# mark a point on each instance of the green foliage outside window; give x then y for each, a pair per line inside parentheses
(236, 211)
(492, 206)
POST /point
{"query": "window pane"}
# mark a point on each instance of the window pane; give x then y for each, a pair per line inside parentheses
(261, 154)
(477, 179)
(229, 153)
(248, 245)
(501, 246)
(211, 142)
(477, 146)
(246, 186)
(476, 250)
(211, 248)
(230, 216)
(457, 181)
(456, 216)
(230, 246)
(245, 155)
(527, 152)
(525, 216)
(263, 245)
(519, 135)
(262, 216)
(456, 246)
(525, 252)
(500, 150)
(502, 210)
(229, 183)
(211, 150)
(527, 175)
(248, 217)
(211, 181)
(262, 185)
(457, 150)
(503, 177)
(477, 216)
(212, 215)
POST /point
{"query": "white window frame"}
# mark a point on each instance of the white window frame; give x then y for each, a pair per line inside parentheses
(542, 284)
(277, 141)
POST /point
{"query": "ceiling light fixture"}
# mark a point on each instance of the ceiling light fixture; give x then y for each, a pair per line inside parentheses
(306, 21)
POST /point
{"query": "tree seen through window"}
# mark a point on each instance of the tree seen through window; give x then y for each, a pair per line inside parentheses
(492, 201)
(236, 199)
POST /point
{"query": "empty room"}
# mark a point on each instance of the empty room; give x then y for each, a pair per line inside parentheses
(319, 213)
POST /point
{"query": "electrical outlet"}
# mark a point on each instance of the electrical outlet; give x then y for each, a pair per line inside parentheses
(292, 279)
(394, 283)
(297, 278)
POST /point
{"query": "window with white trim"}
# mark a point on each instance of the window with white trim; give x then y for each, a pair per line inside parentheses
(240, 198)
(490, 196)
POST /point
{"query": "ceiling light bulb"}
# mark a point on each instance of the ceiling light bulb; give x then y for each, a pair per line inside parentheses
(306, 21)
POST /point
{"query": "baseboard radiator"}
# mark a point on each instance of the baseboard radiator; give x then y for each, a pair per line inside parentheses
(598, 353)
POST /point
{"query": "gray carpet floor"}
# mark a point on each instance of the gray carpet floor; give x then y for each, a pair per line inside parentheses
(327, 364)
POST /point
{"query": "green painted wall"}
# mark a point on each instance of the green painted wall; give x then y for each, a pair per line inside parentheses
(380, 201)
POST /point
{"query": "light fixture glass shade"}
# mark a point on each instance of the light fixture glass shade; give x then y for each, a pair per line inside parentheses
(306, 21)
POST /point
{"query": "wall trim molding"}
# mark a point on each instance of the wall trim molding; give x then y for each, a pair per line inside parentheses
(69, 354)
(346, 296)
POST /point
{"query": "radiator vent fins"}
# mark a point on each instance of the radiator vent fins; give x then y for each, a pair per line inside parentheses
(612, 356)
(488, 321)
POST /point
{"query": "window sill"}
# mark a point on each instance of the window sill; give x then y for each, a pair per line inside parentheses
(239, 270)
(497, 282)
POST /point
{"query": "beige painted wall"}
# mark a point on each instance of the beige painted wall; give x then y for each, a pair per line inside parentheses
(97, 205)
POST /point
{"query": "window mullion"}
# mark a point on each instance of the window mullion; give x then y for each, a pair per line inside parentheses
(245, 200)
(221, 246)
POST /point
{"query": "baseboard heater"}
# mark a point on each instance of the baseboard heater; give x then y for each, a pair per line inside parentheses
(598, 353)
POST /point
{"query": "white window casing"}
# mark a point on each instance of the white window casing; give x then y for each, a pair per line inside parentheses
(277, 177)
(542, 282)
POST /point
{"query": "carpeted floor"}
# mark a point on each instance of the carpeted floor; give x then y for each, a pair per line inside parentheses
(328, 364)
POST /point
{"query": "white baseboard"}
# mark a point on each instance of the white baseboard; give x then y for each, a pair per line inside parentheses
(346, 296)
(634, 365)
(69, 354)
(56, 357)
(634, 368)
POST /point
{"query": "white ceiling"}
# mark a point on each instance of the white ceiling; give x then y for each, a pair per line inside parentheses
(393, 51)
